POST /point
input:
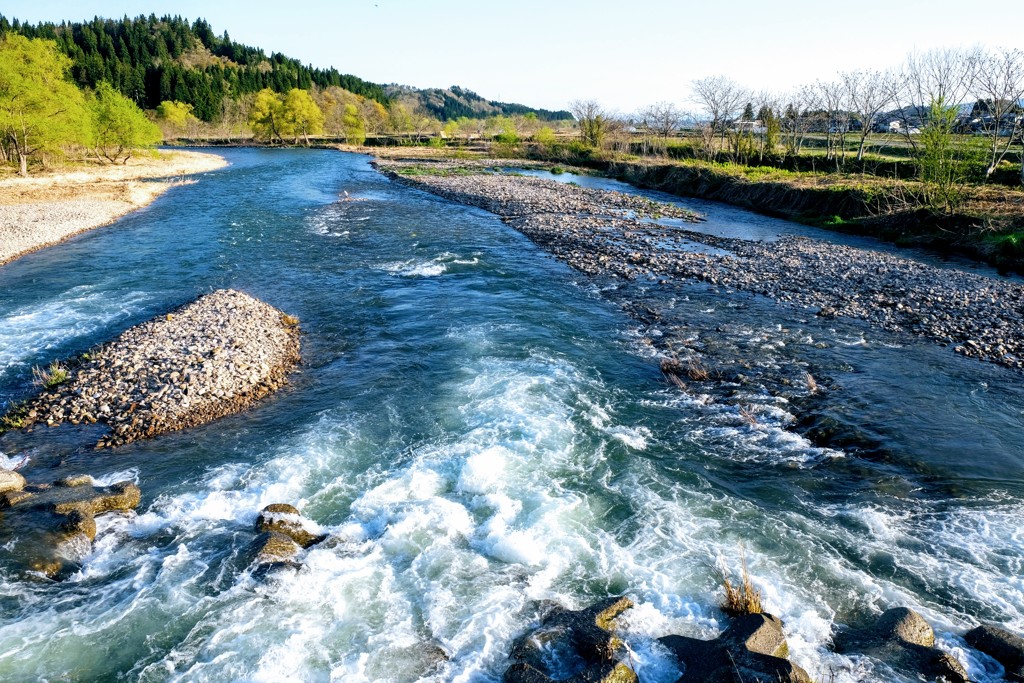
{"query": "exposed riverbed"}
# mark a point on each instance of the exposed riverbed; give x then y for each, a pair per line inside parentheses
(484, 427)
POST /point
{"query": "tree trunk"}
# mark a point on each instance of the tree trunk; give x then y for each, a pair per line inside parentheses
(23, 164)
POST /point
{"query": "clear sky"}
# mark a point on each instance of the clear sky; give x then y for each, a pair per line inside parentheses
(546, 53)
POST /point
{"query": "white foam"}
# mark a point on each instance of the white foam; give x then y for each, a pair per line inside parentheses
(28, 332)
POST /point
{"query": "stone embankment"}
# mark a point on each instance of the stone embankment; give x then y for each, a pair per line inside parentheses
(42, 210)
(608, 233)
(211, 358)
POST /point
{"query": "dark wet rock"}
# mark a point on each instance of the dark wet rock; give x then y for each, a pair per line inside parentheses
(578, 639)
(285, 519)
(902, 638)
(603, 672)
(11, 481)
(74, 480)
(213, 357)
(753, 648)
(53, 528)
(1001, 645)
(12, 498)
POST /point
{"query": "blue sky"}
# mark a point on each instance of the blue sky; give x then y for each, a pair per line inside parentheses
(624, 54)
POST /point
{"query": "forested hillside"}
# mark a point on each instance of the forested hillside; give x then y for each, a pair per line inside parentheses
(151, 60)
(158, 59)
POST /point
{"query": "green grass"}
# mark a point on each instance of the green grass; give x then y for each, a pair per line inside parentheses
(433, 171)
(1010, 244)
(14, 418)
(52, 377)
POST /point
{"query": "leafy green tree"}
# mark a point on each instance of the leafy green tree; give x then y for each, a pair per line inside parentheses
(352, 124)
(176, 115)
(266, 118)
(40, 110)
(947, 162)
(544, 136)
(118, 126)
(302, 115)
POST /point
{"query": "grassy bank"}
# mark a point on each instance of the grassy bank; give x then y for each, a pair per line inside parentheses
(989, 226)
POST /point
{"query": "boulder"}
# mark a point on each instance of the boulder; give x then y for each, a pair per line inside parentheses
(902, 638)
(285, 519)
(753, 649)
(274, 547)
(74, 480)
(603, 672)
(56, 524)
(1001, 645)
(581, 639)
(11, 481)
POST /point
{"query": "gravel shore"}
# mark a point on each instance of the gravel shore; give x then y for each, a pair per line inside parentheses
(40, 211)
(605, 233)
(213, 357)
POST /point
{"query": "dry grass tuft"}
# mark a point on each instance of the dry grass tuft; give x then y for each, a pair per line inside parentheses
(748, 416)
(742, 599)
(697, 371)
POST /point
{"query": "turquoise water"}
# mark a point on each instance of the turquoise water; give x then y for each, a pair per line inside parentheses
(481, 428)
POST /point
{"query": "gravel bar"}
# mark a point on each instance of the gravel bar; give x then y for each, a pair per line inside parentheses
(213, 357)
(602, 233)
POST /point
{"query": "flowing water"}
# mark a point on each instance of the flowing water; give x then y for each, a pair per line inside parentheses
(481, 429)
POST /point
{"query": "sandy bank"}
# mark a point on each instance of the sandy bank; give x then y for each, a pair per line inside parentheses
(42, 210)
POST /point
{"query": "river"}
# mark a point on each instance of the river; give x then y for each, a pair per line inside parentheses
(482, 428)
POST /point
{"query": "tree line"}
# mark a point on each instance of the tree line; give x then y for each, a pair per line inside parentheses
(43, 113)
(955, 113)
(155, 59)
(159, 59)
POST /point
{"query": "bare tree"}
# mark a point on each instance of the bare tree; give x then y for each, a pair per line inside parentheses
(661, 119)
(722, 100)
(797, 117)
(834, 101)
(932, 88)
(999, 87)
(868, 94)
(941, 78)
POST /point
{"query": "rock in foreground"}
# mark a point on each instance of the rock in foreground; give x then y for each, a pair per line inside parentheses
(49, 528)
(902, 638)
(211, 358)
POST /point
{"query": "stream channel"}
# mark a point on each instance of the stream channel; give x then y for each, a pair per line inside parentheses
(484, 428)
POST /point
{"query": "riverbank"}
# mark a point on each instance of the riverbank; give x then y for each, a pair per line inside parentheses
(987, 227)
(48, 208)
(979, 316)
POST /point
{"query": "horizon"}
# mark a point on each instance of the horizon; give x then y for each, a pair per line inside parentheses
(646, 66)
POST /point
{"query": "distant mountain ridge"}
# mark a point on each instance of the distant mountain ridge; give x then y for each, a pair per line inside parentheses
(152, 59)
(456, 102)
